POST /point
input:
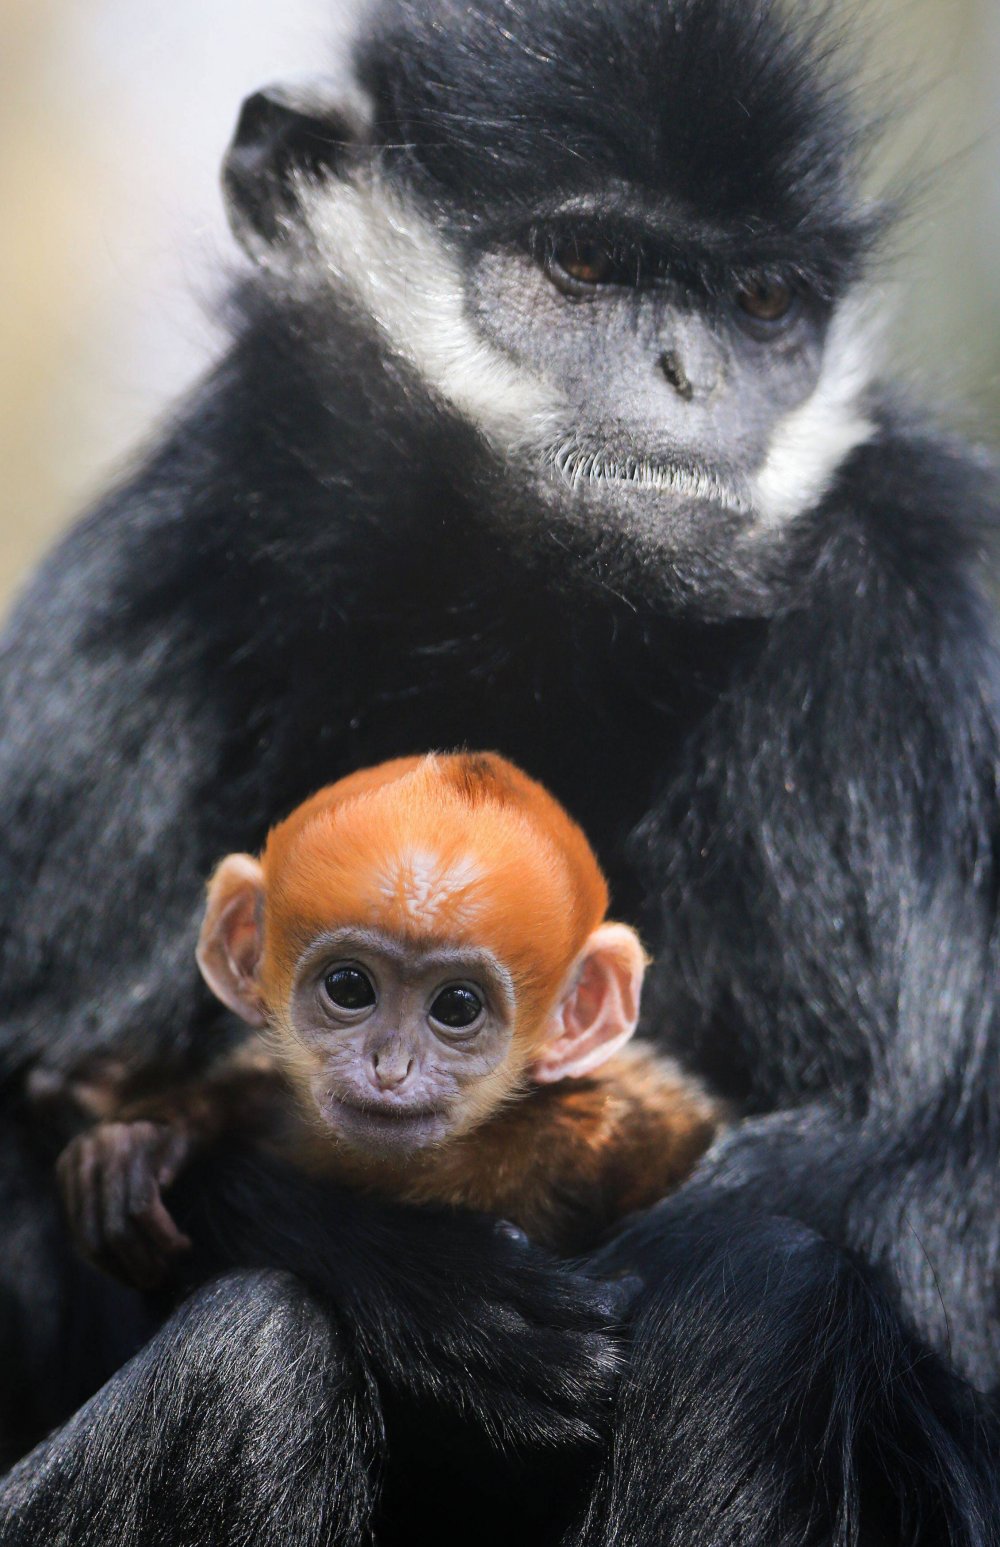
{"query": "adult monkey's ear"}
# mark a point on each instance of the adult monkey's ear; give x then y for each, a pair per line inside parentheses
(284, 131)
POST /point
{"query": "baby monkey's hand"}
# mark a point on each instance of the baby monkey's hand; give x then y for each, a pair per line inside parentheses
(111, 1179)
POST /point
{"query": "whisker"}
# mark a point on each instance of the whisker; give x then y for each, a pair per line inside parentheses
(579, 465)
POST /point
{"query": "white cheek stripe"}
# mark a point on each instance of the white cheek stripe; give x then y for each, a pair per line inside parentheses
(811, 442)
(398, 271)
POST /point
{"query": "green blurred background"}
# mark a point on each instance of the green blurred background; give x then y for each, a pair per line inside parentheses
(114, 115)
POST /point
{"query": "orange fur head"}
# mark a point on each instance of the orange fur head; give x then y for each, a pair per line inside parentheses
(427, 940)
(461, 848)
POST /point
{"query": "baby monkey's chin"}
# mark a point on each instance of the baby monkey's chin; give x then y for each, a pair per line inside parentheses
(387, 1128)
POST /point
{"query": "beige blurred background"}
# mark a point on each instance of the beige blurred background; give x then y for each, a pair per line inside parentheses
(113, 118)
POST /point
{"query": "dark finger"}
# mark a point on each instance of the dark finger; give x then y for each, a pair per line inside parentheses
(150, 1215)
(618, 1297)
(126, 1253)
(87, 1200)
(176, 1148)
(508, 1231)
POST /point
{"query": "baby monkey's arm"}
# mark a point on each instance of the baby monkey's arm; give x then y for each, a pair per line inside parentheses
(113, 1175)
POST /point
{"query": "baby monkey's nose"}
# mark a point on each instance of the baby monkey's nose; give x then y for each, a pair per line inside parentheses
(390, 1069)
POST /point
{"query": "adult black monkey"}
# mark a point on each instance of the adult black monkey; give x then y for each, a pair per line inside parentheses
(548, 424)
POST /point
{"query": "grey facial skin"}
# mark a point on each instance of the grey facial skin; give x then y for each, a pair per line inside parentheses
(689, 432)
(659, 384)
(390, 1076)
(657, 430)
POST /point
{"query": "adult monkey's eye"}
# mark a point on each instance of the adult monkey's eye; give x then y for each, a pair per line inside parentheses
(457, 1007)
(349, 988)
(766, 300)
(584, 262)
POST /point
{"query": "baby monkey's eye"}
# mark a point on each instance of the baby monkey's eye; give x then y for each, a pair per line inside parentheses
(456, 1007)
(349, 988)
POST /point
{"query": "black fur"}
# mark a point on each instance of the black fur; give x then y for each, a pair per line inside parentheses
(772, 1352)
(794, 794)
(299, 1427)
(497, 127)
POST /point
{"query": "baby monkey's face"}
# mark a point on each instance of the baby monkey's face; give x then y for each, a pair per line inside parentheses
(401, 1046)
(416, 938)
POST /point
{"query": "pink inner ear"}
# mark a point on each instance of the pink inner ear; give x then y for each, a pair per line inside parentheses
(231, 938)
(599, 1010)
(585, 1005)
(243, 941)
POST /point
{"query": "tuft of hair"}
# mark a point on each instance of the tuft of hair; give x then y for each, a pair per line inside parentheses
(455, 848)
(743, 114)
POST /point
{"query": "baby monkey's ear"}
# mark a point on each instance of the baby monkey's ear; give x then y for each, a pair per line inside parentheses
(232, 937)
(599, 1008)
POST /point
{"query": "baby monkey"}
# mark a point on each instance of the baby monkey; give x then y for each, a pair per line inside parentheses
(444, 1012)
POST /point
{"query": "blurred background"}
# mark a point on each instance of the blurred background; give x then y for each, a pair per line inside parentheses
(113, 119)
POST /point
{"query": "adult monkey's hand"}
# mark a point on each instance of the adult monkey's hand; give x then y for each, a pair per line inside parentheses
(450, 1307)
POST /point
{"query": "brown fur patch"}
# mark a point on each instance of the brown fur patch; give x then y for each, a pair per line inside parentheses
(564, 1162)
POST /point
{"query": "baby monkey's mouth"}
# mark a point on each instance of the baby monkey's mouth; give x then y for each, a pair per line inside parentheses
(384, 1122)
(386, 1110)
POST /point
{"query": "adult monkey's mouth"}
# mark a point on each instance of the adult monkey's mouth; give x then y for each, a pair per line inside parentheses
(579, 466)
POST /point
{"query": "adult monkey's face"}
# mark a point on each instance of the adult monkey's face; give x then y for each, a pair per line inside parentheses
(617, 241)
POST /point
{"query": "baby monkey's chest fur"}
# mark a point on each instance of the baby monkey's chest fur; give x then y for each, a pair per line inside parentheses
(563, 1162)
